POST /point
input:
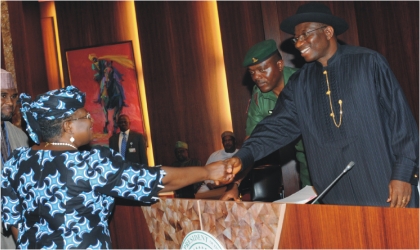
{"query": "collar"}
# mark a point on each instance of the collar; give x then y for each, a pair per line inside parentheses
(234, 151)
(126, 132)
(336, 55)
(269, 95)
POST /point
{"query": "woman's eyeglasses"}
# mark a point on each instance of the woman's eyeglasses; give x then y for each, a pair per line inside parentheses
(87, 116)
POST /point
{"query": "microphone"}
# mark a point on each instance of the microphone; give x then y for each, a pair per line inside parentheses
(348, 167)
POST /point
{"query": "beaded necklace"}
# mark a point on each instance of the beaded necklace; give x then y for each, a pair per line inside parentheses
(340, 102)
(61, 144)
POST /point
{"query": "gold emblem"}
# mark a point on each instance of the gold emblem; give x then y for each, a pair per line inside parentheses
(254, 60)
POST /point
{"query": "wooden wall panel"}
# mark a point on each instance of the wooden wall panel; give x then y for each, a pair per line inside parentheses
(86, 23)
(129, 229)
(181, 77)
(345, 10)
(3, 62)
(50, 48)
(393, 31)
(349, 227)
(34, 48)
(28, 50)
(241, 28)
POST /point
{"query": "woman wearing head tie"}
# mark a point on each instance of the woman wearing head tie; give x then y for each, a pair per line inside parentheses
(54, 196)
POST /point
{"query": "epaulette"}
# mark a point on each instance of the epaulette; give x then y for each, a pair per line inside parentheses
(247, 107)
(256, 98)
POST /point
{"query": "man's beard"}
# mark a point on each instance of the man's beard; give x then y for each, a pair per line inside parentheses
(6, 117)
(230, 149)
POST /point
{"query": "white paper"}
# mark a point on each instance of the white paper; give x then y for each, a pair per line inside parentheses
(300, 197)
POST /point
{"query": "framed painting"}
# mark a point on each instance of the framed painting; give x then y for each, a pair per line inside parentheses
(107, 74)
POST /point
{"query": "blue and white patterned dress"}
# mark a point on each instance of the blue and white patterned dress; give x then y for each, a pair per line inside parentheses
(62, 199)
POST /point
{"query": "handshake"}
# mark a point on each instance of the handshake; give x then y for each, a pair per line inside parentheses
(223, 172)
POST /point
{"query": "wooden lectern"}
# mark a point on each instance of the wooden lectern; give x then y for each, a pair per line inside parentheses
(259, 225)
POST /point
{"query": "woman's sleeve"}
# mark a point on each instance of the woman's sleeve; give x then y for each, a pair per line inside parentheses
(120, 178)
(11, 209)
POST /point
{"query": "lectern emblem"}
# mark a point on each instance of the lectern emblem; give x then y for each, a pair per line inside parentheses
(199, 239)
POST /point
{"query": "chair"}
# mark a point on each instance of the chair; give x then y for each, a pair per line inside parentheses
(267, 183)
(291, 180)
(272, 182)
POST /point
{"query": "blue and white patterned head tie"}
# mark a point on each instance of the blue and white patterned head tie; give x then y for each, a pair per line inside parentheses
(54, 104)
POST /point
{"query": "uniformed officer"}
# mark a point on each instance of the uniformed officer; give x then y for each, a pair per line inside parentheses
(267, 70)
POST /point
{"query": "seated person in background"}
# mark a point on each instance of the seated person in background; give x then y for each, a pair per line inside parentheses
(128, 142)
(270, 75)
(228, 150)
(55, 196)
(183, 160)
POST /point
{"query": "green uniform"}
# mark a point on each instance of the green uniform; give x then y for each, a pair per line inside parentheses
(260, 106)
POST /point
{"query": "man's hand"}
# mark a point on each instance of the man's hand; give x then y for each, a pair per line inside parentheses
(219, 172)
(399, 193)
(235, 163)
(232, 193)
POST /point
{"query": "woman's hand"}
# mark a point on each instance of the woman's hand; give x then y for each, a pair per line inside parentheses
(219, 172)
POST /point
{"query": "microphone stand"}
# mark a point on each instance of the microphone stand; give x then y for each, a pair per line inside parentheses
(348, 167)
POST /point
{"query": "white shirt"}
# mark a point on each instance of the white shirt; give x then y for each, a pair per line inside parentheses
(219, 155)
(121, 137)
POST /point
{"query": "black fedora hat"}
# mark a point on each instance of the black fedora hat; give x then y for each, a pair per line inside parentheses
(314, 12)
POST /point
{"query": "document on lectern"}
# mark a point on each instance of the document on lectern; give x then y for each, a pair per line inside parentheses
(302, 196)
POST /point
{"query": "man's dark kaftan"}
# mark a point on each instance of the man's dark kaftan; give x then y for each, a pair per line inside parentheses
(378, 130)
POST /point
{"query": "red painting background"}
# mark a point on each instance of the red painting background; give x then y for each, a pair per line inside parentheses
(81, 75)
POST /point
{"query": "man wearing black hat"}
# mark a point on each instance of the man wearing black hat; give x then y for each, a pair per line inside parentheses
(348, 106)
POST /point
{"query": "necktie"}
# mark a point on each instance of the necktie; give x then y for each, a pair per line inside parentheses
(123, 144)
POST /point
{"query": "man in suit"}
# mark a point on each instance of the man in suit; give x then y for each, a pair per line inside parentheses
(12, 137)
(135, 149)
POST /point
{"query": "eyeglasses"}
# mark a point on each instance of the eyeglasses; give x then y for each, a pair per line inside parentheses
(305, 35)
(87, 116)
